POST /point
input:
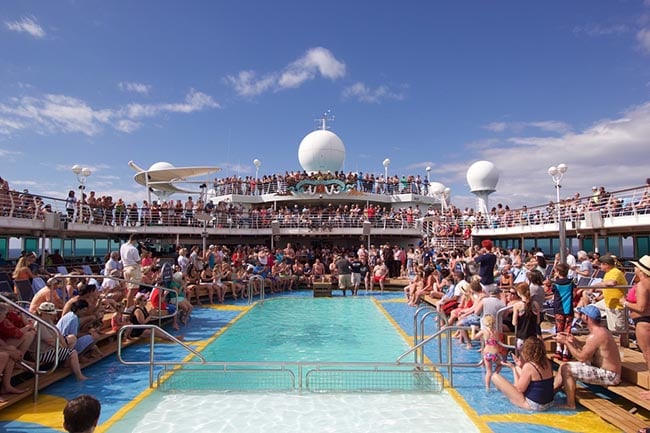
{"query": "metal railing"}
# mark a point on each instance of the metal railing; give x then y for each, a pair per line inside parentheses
(301, 376)
(36, 370)
(419, 341)
(152, 362)
(251, 288)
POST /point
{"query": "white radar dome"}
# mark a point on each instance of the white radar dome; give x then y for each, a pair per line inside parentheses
(160, 166)
(483, 176)
(436, 188)
(321, 150)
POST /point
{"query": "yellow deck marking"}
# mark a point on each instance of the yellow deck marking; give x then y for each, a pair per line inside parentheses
(203, 343)
(48, 412)
(584, 421)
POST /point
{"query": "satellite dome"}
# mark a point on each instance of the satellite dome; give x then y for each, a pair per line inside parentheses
(436, 188)
(321, 150)
(160, 166)
(482, 176)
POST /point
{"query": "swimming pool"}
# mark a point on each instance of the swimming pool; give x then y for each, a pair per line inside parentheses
(128, 405)
(299, 330)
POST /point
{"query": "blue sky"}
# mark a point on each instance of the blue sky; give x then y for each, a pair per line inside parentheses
(526, 85)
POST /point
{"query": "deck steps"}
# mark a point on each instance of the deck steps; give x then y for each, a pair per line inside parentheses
(615, 414)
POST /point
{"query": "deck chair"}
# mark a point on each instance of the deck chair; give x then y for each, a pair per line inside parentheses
(629, 277)
(37, 284)
(62, 270)
(520, 278)
(6, 277)
(583, 282)
(25, 292)
(599, 274)
(86, 269)
(6, 287)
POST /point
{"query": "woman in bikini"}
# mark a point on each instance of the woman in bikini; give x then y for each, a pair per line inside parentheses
(637, 302)
(533, 374)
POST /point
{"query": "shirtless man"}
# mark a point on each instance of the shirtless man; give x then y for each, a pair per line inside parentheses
(599, 361)
(318, 271)
(379, 275)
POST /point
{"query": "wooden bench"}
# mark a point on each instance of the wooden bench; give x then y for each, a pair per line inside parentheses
(611, 412)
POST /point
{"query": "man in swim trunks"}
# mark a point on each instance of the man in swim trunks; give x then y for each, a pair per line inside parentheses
(598, 356)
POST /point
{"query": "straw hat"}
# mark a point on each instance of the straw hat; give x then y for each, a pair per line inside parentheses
(643, 264)
(47, 307)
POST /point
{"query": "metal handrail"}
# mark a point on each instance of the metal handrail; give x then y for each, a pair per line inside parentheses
(36, 370)
(152, 363)
(251, 279)
(449, 364)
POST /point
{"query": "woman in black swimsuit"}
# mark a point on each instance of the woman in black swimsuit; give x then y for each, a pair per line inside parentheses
(140, 316)
(533, 385)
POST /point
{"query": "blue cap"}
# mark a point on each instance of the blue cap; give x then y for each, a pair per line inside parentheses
(590, 311)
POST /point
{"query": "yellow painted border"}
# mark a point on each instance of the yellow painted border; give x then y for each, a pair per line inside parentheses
(117, 416)
(579, 422)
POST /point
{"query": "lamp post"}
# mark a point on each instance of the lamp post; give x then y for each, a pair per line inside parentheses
(386, 163)
(557, 173)
(428, 169)
(257, 163)
(82, 174)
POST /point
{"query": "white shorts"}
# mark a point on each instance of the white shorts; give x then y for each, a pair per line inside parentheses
(356, 279)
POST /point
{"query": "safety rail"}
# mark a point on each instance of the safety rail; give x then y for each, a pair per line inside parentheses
(449, 364)
(317, 377)
(37, 355)
(418, 326)
(251, 288)
(152, 363)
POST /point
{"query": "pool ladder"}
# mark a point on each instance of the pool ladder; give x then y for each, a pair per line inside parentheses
(251, 288)
(420, 340)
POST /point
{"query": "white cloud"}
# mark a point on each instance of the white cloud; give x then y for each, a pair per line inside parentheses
(194, 101)
(373, 96)
(316, 61)
(544, 125)
(126, 125)
(643, 37)
(496, 126)
(611, 152)
(61, 113)
(246, 83)
(26, 25)
(140, 88)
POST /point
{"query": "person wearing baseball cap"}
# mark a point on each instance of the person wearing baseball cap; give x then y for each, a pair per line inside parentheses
(598, 361)
(486, 260)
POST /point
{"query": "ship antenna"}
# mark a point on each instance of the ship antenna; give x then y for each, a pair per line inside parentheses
(326, 117)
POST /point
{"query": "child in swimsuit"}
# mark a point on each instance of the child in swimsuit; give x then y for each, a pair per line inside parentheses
(491, 348)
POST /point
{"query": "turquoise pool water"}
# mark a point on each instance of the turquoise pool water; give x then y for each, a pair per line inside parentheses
(312, 330)
(305, 330)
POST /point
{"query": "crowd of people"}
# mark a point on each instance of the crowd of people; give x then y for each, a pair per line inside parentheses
(283, 183)
(470, 286)
(600, 310)
(450, 221)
